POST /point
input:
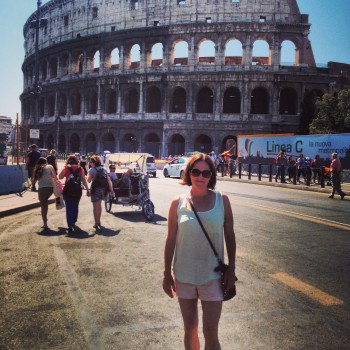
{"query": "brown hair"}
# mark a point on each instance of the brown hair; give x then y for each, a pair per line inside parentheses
(96, 160)
(186, 178)
(72, 159)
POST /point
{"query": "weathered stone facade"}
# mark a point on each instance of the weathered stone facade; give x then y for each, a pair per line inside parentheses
(94, 95)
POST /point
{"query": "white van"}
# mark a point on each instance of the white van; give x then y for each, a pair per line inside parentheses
(150, 165)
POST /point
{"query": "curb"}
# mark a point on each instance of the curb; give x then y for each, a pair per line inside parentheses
(23, 208)
(282, 185)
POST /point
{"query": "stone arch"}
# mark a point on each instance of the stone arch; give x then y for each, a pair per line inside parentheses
(233, 52)
(61, 143)
(154, 100)
(50, 143)
(133, 57)
(127, 145)
(179, 53)
(156, 56)
(51, 106)
(259, 101)
(62, 104)
(176, 146)
(131, 101)
(43, 70)
(53, 67)
(179, 100)
(152, 144)
(206, 51)
(90, 143)
(115, 58)
(288, 101)
(77, 62)
(74, 143)
(91, 102)
(205, 100)
(108, 142)
(75, 102)
(64, 64)
(261, 53)
(111, 102)
(232, 100)
(203, 144)
(288, 53)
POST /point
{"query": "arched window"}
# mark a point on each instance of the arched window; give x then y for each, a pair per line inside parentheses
(232, 101)
(111, 102)
(152, 144)
(75, 101)
(90, 142)
(261, 53)
(205, 100)
(233, 52)
(288, 101)
(153, 100)
(180, 53)
(176, 145)
(203, 144)
(288, 53)
(131, 103)
(75, 143)
(62, 105)
(51, 106)
(157, 55)
(259, 101)
(179, 101)
(206, 53)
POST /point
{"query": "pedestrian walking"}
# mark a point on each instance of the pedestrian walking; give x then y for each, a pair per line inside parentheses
(186, 246)
(291, 168)
(281, 162)
(45, 175)
(32, 158)
(83, 163)
(72, 192)
(336, 169)
(52, 160)
(100, 186)
(301, 167)
(316, 165)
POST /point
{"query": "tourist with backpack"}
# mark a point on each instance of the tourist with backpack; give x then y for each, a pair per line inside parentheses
(72, 192)
(100, 186)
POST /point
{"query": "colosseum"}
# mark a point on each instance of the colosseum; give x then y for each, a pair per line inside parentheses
(167, 77)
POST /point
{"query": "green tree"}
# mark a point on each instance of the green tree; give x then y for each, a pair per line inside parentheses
(332, 114)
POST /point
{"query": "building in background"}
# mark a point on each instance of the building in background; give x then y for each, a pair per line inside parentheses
(167, 77)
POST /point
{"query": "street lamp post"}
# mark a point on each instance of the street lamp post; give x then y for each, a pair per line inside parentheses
(39, 22)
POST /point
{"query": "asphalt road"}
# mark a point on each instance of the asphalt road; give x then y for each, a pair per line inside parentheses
(102, 290)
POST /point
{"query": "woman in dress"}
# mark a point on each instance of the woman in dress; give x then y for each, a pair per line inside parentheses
(186, 246)
(72, 199)
(98, 193)
(44, 174)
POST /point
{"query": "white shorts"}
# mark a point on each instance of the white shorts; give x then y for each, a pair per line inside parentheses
(210, 291)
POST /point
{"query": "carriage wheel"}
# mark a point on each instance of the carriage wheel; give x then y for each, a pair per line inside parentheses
(148, 210)
(108, 204)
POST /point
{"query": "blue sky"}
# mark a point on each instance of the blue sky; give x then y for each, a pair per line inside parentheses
(329, 37)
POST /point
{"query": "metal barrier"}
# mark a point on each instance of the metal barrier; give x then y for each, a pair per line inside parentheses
(269, 170)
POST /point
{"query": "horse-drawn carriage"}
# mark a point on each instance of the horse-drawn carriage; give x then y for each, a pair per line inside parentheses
(131, 183)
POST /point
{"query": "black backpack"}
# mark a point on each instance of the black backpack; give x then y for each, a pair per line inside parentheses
(100, 180)
(72, 187)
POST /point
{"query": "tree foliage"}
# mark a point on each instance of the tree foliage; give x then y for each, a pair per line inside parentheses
(332, 114)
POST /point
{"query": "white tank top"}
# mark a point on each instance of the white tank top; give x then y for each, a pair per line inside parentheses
(194, 260)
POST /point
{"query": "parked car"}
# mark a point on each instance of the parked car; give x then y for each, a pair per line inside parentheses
(150, 165)
(176, 167)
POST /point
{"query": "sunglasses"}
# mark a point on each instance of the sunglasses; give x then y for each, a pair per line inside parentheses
(205, 173)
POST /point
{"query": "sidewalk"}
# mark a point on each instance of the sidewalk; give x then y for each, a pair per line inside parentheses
(14, 203)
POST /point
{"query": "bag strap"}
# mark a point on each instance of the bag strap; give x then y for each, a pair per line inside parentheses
(205, 232)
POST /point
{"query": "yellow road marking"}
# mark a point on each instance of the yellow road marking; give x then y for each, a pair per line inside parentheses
(312, 292)
(301, 216)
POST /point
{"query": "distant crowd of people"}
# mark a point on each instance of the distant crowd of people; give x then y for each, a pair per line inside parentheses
(310, 169)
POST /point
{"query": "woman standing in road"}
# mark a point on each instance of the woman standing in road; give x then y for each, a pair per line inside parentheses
(98, 190)
(193, 260)
(44, 174)
(72, 196)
